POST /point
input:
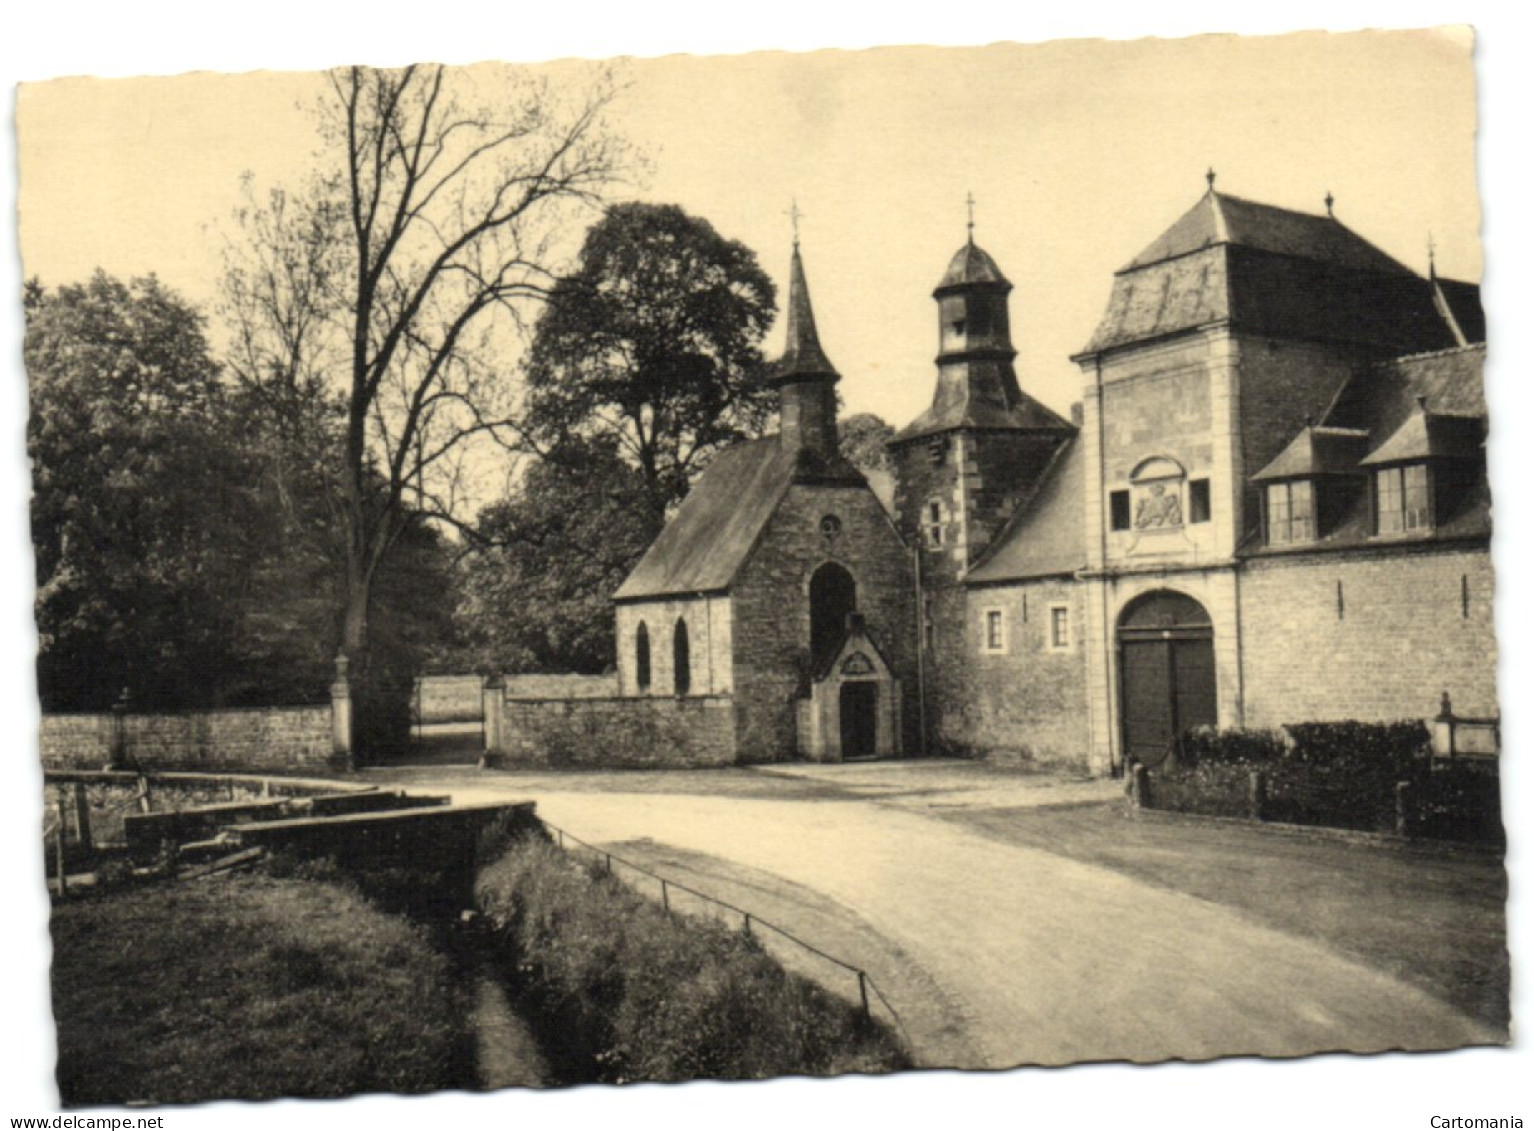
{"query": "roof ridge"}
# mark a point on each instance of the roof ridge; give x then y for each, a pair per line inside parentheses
(1466, 348)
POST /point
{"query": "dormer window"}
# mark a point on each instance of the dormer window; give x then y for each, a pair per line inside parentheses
(1291, 512)
(1402, 499)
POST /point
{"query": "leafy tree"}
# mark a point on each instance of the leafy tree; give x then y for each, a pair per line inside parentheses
(863, 439)
(653, 345)
(399, 270)
(537, 595)
(137, 495)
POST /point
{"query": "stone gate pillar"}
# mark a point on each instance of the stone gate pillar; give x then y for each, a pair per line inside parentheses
(341, 715)
(495, 715)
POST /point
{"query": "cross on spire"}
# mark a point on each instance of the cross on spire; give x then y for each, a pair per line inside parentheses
(1432, 257)
(1330, 200)
(969, 200)
(1209, 176)
(794, 215)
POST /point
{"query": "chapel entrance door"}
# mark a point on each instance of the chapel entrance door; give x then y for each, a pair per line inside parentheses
(1167, 674)
(859, 704)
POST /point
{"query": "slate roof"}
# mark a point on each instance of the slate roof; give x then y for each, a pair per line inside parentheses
(1318, 451)
(1423, 406)
(1219, 218)
(1047, 535)
(1007, 408)
(803, 356)
(1280, 273)
(715, 529)
(971, 265)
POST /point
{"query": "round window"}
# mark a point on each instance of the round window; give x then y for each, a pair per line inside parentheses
(830, 525)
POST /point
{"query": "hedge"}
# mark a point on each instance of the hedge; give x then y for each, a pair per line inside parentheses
(1339, 775)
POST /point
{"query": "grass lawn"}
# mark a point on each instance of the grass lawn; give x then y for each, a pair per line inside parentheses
(1431, 917)
(247, 987)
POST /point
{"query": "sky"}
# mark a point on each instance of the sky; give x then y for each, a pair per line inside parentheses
(1078, 155)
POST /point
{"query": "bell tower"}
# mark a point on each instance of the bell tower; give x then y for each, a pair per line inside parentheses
(964, 464)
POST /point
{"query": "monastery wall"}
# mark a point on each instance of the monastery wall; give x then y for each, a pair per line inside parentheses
(1399, 632)
(1026, 701)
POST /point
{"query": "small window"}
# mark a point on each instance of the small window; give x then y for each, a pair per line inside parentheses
(933, 523)
(1291, 513)
(642, 657)
(995, 631)
(936, 451)
(1059, 628)
(1401, 499)
(830, 526)
(1118, 509)
(681, 659)
(1198, 500)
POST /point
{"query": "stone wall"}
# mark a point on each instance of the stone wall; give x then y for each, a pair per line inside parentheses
(653, 732)
(278, 739)
(1403, 635)
(772, 609)
(1025, 701)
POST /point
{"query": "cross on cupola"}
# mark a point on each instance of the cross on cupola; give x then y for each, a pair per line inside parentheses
(969, 201)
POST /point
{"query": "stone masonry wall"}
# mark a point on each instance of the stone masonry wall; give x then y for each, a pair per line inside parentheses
(652, 732)
(772, 609)
(1027, 701)
(1404, 636)
(281, 739)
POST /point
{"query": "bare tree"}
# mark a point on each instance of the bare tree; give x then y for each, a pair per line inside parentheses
(396, 277)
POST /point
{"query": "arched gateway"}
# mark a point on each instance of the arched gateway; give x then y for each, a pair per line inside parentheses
(1166, 673)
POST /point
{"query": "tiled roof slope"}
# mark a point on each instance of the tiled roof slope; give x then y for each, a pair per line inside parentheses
(1279, 273)
(713, 532)
(1219, 218)
(1047, 535)
(953, 407)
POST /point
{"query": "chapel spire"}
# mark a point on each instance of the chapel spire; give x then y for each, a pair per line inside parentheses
(805, 378)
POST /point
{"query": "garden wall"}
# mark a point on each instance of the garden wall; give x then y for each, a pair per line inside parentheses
(279, 739)
(628, 732)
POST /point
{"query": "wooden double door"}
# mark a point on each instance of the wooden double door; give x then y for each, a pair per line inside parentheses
(1167, 674)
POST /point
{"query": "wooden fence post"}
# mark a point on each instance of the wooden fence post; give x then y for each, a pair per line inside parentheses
(59, 835)
(1403, 808)
(83, 818)
(1257, 794)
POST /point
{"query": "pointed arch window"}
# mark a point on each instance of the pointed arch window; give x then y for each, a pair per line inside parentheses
(642, 657)
(833, 597)
(681, 659)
